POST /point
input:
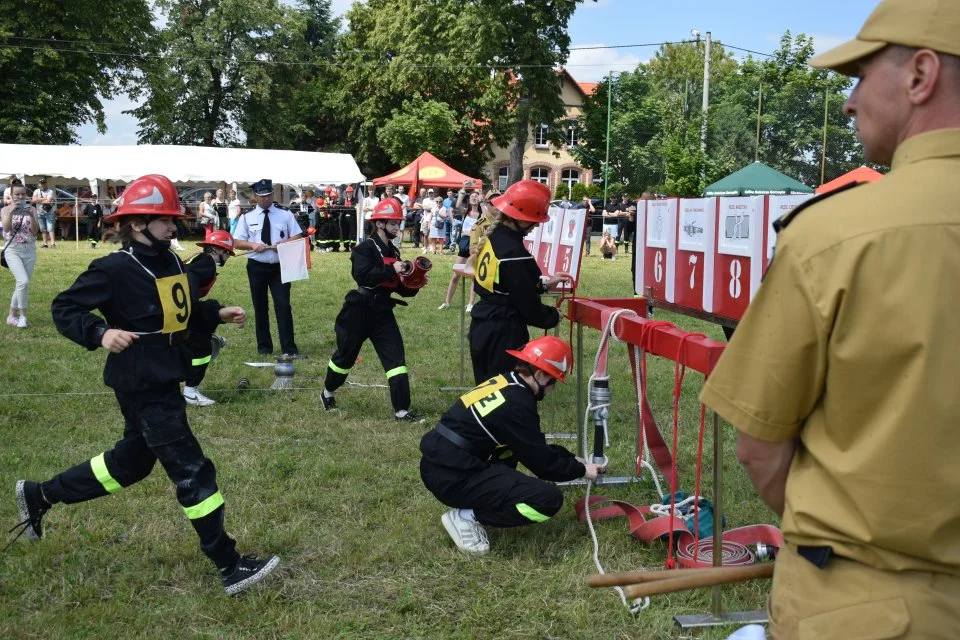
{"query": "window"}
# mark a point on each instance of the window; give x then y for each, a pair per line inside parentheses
(572, 136)
(502, 174)
(540, 136)
(570, 177)
(540, 174)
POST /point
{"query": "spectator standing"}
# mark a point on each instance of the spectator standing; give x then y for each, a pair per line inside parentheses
(438, 226)
(93, 210)
(623, 221)
(611, 211)
(417, 218)
(369, 202)
(448, 206)
(470, 218)
(405, 201)
(258, 231)
(233, 211)
(46, 216)
(19, 221)
(220, 205)
(207, 215)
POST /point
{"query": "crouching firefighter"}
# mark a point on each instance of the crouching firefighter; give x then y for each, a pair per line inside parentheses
(147, 302)
(367, 312)
(204, 345)
(470, 458)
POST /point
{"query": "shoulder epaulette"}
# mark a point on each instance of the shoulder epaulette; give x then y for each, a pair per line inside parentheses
(280, 206)
(782, 223)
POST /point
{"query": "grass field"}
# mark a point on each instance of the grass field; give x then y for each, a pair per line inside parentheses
(337, 495)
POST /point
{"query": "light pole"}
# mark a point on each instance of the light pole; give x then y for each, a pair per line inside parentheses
(706, 101)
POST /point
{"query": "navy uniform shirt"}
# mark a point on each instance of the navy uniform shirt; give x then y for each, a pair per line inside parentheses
(283, 226)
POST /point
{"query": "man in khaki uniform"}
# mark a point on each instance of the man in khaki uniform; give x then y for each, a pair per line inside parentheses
(842, 376)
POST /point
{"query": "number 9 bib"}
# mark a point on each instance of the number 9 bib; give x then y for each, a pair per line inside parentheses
(174, 294)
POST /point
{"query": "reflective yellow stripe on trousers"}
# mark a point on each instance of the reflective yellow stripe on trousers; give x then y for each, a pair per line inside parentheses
(396, 371)
(99, 467)
(205, 508)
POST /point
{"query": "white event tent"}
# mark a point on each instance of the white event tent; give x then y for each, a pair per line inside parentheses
(182, 164)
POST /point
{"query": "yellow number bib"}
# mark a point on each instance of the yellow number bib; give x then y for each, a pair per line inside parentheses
(487, 270)
(487, 396)
(174, 294)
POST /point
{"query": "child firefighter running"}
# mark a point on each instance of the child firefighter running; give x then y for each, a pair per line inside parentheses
(367, 311)
(147, 302)
(217, 249)
(470, 458)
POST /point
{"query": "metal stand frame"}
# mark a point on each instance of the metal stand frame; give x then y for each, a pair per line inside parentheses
(716, 616)
(463, 336)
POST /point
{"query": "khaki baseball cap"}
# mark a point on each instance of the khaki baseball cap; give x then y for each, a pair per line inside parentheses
(925, 24)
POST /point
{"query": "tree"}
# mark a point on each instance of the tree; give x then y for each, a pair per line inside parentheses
(492, 63)
(529, 39)
(656, 119)
(211, 59)
(399, 55)
(60, 59)
(299, 112)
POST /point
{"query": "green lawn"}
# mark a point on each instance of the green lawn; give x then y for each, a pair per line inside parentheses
(338, 495)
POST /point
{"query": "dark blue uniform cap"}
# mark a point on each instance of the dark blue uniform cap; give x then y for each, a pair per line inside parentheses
(263, 187)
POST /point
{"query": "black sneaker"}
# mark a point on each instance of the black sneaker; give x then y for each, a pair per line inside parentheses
(249, 571)
(328, 403)
(32, 507)
(410, 416)
(265, 352)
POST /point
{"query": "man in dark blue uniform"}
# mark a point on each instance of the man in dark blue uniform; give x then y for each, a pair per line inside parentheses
(259, 230)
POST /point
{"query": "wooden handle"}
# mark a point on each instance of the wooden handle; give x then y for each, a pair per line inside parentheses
(635, 577)
(697, 579)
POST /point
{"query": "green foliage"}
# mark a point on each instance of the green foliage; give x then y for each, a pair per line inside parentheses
(655, 129)
(491, 62)
(337, 495)
(57, 64)
(210, 67)
(418, 126)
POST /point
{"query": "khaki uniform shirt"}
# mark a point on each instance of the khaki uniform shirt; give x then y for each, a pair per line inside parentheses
(852, 345)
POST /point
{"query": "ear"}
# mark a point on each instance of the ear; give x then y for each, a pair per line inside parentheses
(925, 69)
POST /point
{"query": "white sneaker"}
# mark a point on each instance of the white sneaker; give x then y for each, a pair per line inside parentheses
(12, 321)
(443, 306)
(197, 399)
(22, 322)
(468, 308)
(468, 535)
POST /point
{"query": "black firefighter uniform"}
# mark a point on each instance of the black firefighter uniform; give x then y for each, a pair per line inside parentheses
(367, 313)
(148, 292)
(470, 458)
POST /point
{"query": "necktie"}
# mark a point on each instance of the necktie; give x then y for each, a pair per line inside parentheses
(265, 233)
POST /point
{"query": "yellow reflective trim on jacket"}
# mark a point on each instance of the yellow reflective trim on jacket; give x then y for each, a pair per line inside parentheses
(100, 472)
(199, 361)
(396, 371)
(205, 508)
(530, 513)
(337, 369)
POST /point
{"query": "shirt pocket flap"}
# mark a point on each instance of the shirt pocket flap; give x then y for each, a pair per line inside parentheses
(880, 620)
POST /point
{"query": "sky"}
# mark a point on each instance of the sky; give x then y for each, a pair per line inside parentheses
(749, 24)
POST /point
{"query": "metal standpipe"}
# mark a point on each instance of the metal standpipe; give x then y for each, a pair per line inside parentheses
(587, 312)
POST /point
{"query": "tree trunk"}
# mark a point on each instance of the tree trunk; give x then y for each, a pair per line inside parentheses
(517, 148)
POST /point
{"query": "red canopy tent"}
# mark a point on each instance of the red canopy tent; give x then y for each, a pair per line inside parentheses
(426, 171)
(860, 174)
